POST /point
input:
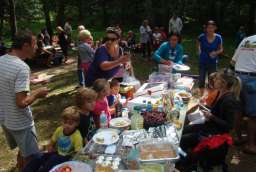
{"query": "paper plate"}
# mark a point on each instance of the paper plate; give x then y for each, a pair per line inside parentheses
(106, 137)
(75, 166)
(120, 122)
(180, 67)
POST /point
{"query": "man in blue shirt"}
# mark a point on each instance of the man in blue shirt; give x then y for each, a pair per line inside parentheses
(169, 52)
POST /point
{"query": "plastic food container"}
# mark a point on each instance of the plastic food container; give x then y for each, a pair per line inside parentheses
(164, 68)
(157, 151)
(160, 77)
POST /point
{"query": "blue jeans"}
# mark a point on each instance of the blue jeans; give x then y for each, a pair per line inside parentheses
(203, 70)
(248, 94)
(44, 162)
(81, 77)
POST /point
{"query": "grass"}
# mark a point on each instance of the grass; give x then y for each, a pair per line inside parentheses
(47, 111)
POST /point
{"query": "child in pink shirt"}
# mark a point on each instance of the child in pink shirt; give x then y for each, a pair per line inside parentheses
(102, 88)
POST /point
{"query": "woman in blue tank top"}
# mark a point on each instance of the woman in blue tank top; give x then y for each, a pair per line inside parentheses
(210, 46)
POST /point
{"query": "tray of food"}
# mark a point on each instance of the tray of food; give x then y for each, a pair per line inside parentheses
(167, 132)
(186, 96)
(133, 137)
(154, 119)
(158, 151)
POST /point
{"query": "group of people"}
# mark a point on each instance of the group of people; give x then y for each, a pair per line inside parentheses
(47, 52)
(231, 94)
(152, 39)
(106, 60)
(77, 122)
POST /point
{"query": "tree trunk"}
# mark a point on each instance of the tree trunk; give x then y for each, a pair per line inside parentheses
(2, 10)
(104, 10)
(149, 12)
(47, 17)
(61, 4)
(81, 10)
(251, 22)
(13, 23)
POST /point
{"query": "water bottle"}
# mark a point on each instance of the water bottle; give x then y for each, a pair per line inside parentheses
(119, 109)
(149, 107)
(137, 121)
(103, 120)
(125, 113)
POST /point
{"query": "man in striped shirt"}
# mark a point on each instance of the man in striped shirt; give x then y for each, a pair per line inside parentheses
(15, 98)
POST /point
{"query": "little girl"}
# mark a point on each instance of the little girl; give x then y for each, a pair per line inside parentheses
(102, 88)
(211, 92)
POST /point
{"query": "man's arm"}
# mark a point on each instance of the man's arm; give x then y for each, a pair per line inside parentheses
(23, 99)
(22, 87)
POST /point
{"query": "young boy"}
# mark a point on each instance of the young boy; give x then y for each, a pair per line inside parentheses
(85, 101)
(65, 142)
(114, 96)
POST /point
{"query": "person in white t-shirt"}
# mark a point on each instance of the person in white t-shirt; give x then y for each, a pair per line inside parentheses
(145, 38)
(244, 60)
(175, 24)
(157, 36)
(15, 98)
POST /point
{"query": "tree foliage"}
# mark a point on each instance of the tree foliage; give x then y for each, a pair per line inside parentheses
(229, 14)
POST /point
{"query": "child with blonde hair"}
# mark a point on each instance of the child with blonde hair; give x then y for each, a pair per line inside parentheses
(102, 88)
(65, 142)
(85, 101)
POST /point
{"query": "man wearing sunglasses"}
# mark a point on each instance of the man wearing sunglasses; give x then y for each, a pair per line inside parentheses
(108, 58)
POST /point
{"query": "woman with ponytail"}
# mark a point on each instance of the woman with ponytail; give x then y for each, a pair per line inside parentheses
(220, 118)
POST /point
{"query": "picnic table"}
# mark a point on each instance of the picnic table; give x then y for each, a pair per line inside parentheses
(92, 151)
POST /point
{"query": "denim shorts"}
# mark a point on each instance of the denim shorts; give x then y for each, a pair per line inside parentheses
(248, 94)
(25, 140)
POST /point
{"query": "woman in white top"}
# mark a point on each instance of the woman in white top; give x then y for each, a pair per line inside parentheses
(175, 24)
(145, 38)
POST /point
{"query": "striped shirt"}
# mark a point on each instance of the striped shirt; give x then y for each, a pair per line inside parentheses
(14, 78)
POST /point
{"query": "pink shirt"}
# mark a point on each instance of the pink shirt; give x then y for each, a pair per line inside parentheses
(100, 105)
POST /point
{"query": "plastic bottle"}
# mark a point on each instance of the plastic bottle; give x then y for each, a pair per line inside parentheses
(119, 109)
(149, 106)
(103, 120)
(125, 113)
(137, 120)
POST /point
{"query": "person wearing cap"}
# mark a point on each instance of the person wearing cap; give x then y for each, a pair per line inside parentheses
(108, 58)
(210, 46)
(85, 55)
(244, 60)
(170, 51)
